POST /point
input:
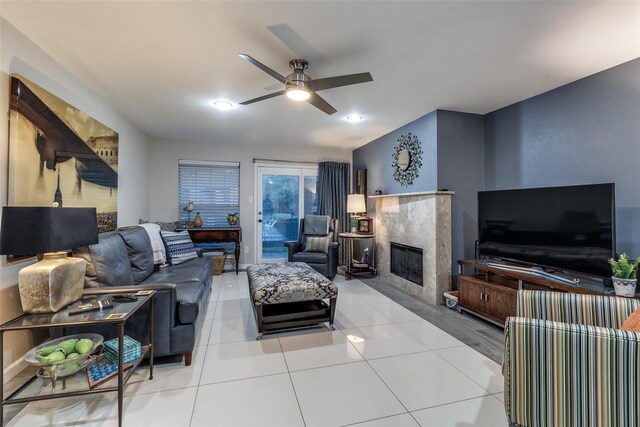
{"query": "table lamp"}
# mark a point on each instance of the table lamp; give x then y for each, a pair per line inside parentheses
(355, 205)
(56, 281)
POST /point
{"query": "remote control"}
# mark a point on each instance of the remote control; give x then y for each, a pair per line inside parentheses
(125, 297)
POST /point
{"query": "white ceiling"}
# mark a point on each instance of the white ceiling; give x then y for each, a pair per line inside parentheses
(159, 63)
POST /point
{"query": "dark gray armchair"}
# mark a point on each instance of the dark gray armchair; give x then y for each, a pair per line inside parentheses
(317, 226)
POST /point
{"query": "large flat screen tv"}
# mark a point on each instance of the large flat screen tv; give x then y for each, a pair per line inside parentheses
(568, 228)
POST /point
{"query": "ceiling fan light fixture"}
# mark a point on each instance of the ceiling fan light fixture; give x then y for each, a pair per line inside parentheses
(222, 104)
(298, 94)
(354, 118)
(299, 86)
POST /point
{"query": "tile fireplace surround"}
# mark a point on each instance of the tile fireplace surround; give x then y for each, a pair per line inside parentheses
(422, 220)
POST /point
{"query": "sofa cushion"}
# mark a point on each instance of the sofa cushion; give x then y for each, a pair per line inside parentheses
(199, 269)
(157, 245)
(107, 262)
(178, 246)
(310, 257)
(140, 253)
(317, 225)
(189, 295)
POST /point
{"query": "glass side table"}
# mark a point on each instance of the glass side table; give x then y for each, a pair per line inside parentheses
(76, 385)
(354, 266)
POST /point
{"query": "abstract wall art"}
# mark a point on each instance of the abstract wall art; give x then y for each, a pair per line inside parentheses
(60, 156)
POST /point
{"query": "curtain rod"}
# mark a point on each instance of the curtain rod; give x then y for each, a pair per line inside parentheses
(256, 160)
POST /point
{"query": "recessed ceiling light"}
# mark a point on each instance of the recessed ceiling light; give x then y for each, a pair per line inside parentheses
(222, 105)
(354, 118)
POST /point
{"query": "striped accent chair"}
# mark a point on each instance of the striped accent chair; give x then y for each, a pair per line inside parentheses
(567, 362)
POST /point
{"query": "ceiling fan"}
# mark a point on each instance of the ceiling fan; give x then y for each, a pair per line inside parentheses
(299, 86)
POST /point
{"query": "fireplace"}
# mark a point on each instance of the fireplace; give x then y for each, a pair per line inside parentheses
(421, 221)
(406, 262)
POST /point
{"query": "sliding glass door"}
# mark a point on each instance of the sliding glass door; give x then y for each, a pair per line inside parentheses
(284, 195)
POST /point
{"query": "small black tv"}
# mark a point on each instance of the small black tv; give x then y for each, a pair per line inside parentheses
(565, 228)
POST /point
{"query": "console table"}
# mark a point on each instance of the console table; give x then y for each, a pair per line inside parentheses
(219, 235)
(491, 290)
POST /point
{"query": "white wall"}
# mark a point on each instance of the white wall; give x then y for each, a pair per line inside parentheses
(164, 174)
(20, 55)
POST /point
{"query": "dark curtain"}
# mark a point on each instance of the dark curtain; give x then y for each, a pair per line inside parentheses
(333, 187)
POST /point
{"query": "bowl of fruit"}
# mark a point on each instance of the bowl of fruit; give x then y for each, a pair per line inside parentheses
(64, 356)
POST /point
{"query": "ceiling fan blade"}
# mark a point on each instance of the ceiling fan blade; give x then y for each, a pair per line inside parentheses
(264, 68)
(296, 43)
(337, 81)
(318, 102)
(262, 98)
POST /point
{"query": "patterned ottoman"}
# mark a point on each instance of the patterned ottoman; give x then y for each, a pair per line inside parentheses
(290, 295)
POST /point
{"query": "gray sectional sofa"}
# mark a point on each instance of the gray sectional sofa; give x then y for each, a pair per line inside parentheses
(123, 260)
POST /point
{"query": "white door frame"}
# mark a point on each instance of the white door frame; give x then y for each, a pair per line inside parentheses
(303, 169)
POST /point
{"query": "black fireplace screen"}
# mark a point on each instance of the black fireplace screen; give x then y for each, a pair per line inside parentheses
(406, 262)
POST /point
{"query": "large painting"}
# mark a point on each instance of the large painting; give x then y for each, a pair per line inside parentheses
(59, 156)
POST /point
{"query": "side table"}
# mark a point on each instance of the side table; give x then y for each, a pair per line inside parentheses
(117, 316)
(231, 234)
(354, 266)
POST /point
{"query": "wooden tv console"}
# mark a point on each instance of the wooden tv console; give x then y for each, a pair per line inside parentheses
(491, 292)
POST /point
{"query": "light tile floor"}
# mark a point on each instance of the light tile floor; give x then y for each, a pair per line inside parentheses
(383, 366)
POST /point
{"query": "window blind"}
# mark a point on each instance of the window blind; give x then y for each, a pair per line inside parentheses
(213, 187)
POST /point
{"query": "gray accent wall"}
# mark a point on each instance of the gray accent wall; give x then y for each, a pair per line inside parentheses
(461, 169)
(452, 145)
(376, 158)
(585, 132)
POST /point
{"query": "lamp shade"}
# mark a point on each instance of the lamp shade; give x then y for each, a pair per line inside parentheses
(36, 230)
(356, 203)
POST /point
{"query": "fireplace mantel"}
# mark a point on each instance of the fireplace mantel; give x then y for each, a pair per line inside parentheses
(418, 193)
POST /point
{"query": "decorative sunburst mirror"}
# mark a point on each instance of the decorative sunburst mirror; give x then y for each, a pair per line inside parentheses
(407, 159)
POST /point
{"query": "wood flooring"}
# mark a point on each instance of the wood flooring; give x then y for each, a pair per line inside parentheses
(473, 331)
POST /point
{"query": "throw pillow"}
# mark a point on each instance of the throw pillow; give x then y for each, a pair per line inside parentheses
(317, 244)
(632, 324)
(107, 262)
(178, 246)
(140, 251)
